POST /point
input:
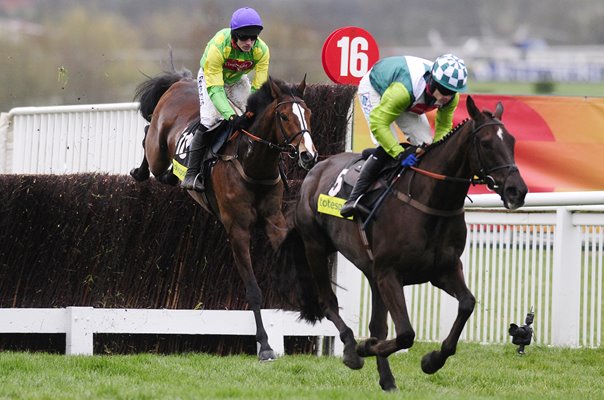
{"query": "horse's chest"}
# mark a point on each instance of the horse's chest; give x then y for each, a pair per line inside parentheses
(430, 254)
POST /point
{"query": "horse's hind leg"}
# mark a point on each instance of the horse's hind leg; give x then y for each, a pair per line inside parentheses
(392, 293)
(142, 172)
(319, 264)
(454, 285)
(378, 328)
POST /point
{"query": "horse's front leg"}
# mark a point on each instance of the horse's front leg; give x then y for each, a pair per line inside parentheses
(275, 228)
(455, 285)
(240, 243)
(393, 296)
(142, 172)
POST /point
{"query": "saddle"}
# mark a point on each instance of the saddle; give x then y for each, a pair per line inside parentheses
(218, 137)
(342, 187)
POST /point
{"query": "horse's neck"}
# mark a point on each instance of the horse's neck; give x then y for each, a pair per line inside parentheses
(449, 159)
(258, 159)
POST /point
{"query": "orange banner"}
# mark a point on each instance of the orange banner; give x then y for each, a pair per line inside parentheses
(559, 140)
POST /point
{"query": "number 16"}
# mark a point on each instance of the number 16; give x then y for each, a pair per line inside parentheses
(358, 60)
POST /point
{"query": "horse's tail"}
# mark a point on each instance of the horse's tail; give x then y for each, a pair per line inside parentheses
(296, 284)
(150, 91)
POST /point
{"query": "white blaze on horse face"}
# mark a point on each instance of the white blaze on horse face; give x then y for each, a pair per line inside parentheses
(298, 111)
(500, 134)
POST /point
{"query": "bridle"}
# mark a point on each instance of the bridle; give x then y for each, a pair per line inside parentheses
(286, 145)
(484, 174)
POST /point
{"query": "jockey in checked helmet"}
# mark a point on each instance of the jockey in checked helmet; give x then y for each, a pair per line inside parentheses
(224, 85)
(395, 94)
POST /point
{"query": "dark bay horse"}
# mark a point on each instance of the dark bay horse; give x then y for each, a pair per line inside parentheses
(418, 235)
(245, 185)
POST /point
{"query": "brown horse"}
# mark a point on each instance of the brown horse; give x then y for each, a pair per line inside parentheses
(245, 185)
(417, 236)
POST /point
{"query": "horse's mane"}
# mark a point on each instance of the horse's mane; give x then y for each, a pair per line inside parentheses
(262, 97)
(448, 136)
(456, 129)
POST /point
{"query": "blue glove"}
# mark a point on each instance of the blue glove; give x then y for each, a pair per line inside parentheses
(409, 161)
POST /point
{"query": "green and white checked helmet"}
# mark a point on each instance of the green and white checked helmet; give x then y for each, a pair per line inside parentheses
(450, 71)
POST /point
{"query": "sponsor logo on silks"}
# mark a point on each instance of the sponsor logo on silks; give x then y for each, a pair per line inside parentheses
(238, 65)
(330, 205)
(179, 170)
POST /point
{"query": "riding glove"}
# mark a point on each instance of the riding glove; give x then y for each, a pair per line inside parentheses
(409, 161)
(408, 158)
(239, 122)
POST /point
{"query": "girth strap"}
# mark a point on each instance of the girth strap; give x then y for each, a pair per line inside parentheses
(249, 179)
(405, 198)
(365, 240)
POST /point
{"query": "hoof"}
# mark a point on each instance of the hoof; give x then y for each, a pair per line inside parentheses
(353, 361)
(432, 362)
(169, 179)
(267, 355)
(138, 176)
(390, 388)
(364, 347)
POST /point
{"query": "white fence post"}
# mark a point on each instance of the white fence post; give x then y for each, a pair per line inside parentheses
(273, 324)
(566, 281)
(79, 333)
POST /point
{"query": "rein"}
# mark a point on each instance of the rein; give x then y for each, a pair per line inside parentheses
(285, 147)
(483, 178)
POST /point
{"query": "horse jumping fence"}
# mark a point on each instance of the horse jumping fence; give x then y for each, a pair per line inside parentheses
(547, 256)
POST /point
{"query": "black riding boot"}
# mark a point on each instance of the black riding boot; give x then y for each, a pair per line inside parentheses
(369, 172)
(194, 176)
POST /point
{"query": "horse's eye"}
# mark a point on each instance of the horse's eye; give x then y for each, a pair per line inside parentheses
(283, 117)
(486, 144)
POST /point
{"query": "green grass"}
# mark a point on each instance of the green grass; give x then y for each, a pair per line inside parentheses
(476, 372)
(528, 88)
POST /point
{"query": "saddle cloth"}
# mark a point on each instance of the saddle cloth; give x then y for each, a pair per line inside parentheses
(331, 202)
(220, 135)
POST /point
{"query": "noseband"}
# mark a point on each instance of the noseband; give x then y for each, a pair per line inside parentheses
(286, 146)
(485, 173)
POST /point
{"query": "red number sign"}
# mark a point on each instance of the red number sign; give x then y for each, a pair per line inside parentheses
(348, 53)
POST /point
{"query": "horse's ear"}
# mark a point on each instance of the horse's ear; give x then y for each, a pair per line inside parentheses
(275, 91)
(498, 110)
(302, 86)
(473, 111)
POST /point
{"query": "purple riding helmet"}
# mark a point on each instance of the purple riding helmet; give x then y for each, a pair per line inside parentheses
(246, 22)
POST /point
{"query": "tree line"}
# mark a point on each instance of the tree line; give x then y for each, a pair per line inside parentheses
(97, 51)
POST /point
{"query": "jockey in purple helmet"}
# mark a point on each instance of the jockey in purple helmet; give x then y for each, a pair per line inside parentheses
(224, 85)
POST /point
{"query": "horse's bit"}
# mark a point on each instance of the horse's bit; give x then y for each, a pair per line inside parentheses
(286, 146)
(484, 174)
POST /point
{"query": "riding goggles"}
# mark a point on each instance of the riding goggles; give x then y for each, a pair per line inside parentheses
(245, 38)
